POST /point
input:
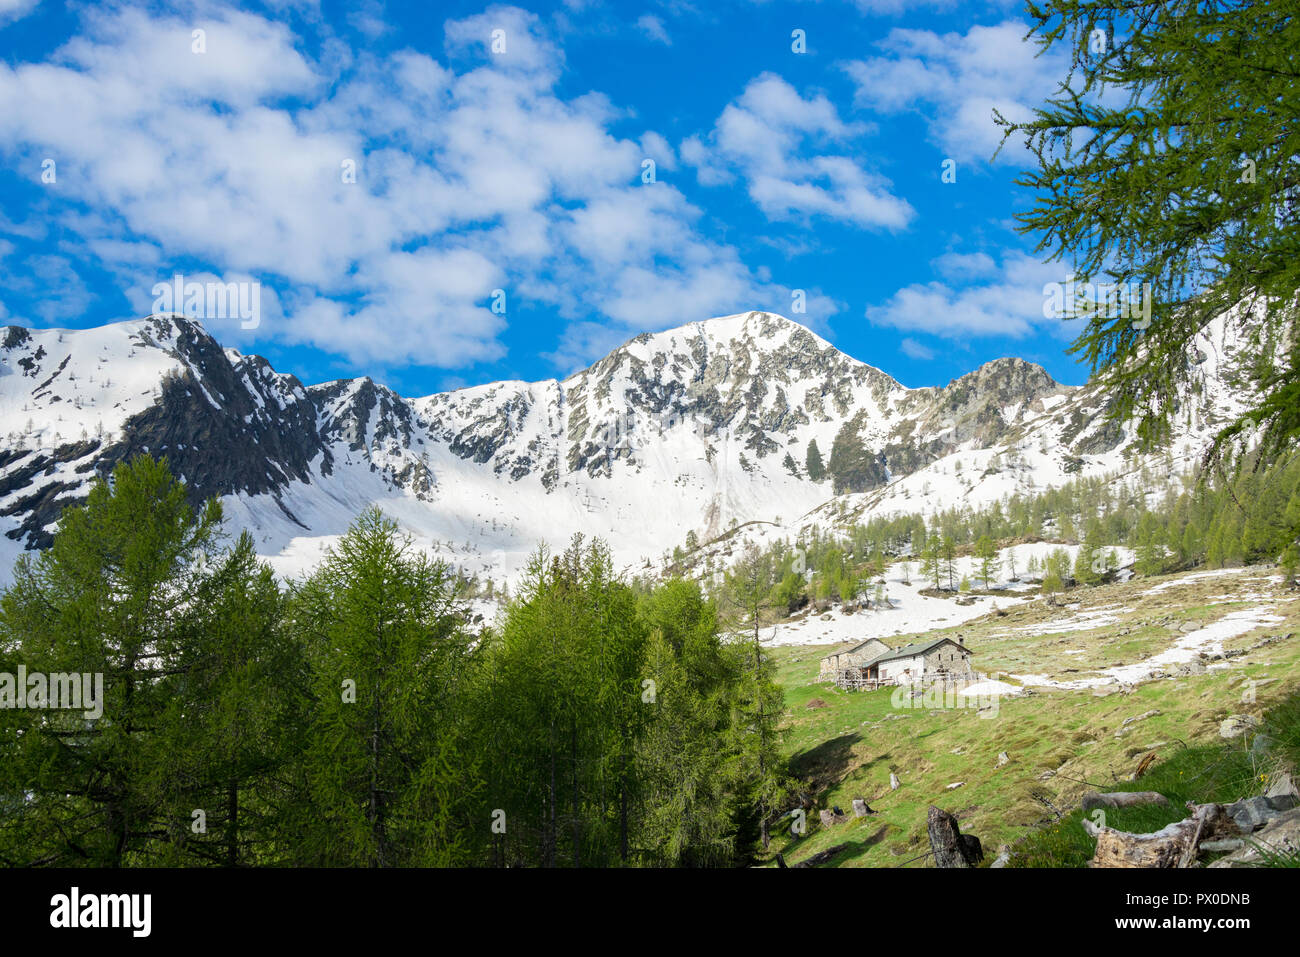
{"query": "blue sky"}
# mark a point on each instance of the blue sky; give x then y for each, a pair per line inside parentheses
(522, 169)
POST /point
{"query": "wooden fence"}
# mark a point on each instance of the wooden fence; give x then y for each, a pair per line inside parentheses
(852, 679)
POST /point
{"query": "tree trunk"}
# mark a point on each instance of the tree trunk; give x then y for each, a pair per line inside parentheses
(232, 824)
(762, 730)
(577, 822)
(1174, 845)
(374, 814)
(622, 810)
(549, 840)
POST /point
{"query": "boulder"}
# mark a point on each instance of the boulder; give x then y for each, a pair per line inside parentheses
(817, 859)
(831, 817)
(1253, 813)
(1280, 836)
(1003, 759)
(1235, 725)
(1283, 787)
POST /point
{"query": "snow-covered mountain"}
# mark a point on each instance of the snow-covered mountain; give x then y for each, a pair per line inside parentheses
(699, 428)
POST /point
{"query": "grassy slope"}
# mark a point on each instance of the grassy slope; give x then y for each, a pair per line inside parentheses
(1060, 742)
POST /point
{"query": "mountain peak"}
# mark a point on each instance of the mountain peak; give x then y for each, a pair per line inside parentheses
(1008, 378)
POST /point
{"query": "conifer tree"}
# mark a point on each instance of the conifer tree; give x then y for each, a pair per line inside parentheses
(758, 704)
(987, 554)
(948, 556)
(123, 593)
(388, 775)
(931, 566)
(813, 462)
(1090, 562)
(689, 791)
(1145, 178)
(237, 719)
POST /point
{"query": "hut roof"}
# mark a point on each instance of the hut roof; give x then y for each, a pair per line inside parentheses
(911, 651)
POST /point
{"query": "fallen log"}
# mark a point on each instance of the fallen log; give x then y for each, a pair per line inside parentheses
(821, 857)
(1117, 799)
(1175, 845)
(950, 847)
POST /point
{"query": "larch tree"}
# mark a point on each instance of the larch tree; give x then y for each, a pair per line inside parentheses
(122, 594)
(388, 774)
(1169, 162)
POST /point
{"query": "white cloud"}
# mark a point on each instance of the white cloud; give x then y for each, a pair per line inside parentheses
(11, 10)
(54, 284)
(894, 8)
(368, 19)
(468, 178)
(653, 27)
(1008, 302)
(956, 81)
(655, 147)
(771, 137)
(910, 347)
(965, 265)
(507, 37)
(582, 340)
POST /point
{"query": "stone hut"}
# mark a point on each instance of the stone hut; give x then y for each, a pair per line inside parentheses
(936, 658)
(854, 657)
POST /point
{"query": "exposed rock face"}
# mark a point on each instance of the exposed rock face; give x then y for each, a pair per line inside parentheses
(1250, 814)
(227, 424)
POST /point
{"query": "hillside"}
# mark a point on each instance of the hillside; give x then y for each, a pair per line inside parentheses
(1111, 676)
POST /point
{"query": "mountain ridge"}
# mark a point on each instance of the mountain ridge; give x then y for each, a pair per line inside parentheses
(696, 428)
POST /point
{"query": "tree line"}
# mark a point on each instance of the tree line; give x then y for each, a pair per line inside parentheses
(1245, 513)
